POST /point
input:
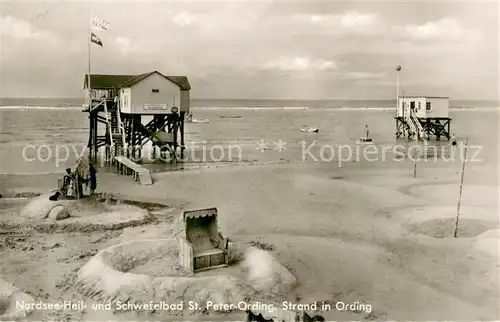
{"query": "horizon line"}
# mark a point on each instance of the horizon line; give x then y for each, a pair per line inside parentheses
(270, 99)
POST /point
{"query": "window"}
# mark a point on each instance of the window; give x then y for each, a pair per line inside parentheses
(428, 106)
(155, 90)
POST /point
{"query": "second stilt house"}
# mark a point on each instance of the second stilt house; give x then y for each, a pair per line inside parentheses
(421, 117)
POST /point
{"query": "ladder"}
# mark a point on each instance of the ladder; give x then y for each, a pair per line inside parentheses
(121, 129)
(413, 130)
(116, 132)
(420, 130)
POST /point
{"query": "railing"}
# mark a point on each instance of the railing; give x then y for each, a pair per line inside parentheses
(91, 108)
(108, 123)
(121, 129)
(409, 121)
(102, 93)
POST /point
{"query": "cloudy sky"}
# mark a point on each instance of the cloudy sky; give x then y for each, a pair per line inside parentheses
(259, 49)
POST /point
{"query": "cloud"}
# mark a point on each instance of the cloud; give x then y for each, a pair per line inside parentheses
(348, 21)
(227, 48)
(18, 29)
(184, 18)
(363, 76)
(355, 19)
(447, 29)
(443, 38)
(228, 20)
(124, 45)
(300, 64)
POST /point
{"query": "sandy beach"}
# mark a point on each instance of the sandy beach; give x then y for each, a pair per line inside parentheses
(267, 161)
(368, 234)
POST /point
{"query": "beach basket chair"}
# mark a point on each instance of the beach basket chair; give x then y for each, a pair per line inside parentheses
(201, 245)
(74, 182)
(67, 186)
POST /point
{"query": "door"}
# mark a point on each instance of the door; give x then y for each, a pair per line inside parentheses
(406, 109)
(412, 106)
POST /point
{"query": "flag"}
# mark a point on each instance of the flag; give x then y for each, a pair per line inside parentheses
(99, 24)
(94, 39)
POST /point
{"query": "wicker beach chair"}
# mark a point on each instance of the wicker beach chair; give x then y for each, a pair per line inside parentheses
(201, 245)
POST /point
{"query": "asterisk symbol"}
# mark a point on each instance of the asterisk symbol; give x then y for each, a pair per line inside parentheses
(262, 145)
(280, 146)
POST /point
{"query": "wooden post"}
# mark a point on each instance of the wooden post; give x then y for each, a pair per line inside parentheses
(175, 117)
(94, 143)
(156, 121)
(415, 169)
(455, 234)
(415, 164)
(89, 143)
(182, 134)
(94, 148)
(133, 135)
(129, 135)
(139, 141)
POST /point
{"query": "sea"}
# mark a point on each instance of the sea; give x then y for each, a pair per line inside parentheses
(47, 135)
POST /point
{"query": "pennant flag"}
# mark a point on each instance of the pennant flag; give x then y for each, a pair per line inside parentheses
(95, 39)
(99, 24)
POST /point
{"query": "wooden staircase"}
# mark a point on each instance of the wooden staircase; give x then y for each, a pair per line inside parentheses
(116, 135)
(115, 132)
(420, 132)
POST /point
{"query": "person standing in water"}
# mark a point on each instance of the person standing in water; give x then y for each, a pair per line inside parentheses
(367, 131)
(453, 140)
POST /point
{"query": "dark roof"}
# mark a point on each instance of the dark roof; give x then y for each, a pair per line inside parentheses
(182, 81)
(135, 79)
(99, 81)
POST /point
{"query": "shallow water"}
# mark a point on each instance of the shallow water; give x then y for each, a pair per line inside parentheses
(49, 140)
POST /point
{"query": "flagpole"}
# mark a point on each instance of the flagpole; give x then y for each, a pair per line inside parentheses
(88, 44)
(89, 91)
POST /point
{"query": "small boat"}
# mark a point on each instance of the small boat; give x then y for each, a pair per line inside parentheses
(364, 140)
(309, 129)
(230, 117)
(200, 121)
